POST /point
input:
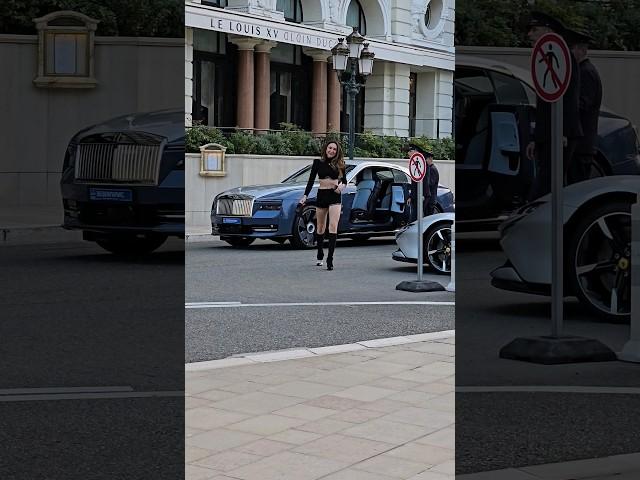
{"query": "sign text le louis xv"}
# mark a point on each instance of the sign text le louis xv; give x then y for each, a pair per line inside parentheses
(271, 33)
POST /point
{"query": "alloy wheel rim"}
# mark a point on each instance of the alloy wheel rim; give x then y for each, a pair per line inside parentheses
(603, 263)
(439, 249)
(307, 227)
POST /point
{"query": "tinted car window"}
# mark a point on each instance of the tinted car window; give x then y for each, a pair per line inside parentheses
(474, 93)
(400, 177)
(473, 81)
(509, 90)
(302, 176)
(385, 175)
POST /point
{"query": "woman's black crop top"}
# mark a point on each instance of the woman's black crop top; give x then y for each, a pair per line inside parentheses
(322, 169)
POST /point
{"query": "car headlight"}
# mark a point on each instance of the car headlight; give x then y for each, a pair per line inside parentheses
(70, 155)
(529, 208)
(520, 214)
(401, 230)
(269, 206)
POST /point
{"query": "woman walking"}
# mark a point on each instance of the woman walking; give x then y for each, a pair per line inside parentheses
(330, 169)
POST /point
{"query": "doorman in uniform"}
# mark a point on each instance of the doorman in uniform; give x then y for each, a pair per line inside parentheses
(540, 148)
(584, 160)
(429, 183)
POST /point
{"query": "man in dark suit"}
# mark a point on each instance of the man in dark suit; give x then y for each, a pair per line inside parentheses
(584, 158)
(540, 147)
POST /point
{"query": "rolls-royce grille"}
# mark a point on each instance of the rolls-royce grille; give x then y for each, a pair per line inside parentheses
(232, 206)
(118, 163)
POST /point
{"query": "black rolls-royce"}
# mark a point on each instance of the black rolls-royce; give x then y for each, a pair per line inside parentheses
(123, 181)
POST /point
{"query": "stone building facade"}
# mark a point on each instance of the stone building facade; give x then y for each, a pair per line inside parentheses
(255, 64)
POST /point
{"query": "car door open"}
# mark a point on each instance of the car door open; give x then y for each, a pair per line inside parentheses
(510, 171)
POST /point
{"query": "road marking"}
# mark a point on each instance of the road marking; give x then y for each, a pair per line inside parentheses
(292, 354)
(306, 304)
(78, 393)
(42, 390)
(550, 389)
(210, 304)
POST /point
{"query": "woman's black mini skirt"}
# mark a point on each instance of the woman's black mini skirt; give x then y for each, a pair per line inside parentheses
(328, 197)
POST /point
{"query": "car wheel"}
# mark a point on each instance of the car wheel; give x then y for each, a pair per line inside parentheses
(131, 245)
(304, 228)
(239, 241)
(437, 248)
(599, 261)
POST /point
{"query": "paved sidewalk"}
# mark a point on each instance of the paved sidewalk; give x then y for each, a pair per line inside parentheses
(618, 467)
(383, 413)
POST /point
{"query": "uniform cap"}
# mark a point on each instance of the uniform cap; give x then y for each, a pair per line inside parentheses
(540, 19)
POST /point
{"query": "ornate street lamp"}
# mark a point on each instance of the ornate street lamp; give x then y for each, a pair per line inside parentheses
(353, 63)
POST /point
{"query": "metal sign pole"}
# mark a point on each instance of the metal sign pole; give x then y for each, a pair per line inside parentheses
(557, 222)
(452, 284)
(420, 242)
(557, 348)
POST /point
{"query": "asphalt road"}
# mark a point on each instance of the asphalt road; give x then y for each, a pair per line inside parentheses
(542, 424)
(76, 318)
(267, 273)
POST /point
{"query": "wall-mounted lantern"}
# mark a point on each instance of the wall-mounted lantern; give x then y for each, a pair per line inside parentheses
(66, 50)
(212, 160)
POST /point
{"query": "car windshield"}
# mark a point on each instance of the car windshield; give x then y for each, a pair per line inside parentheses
(302, 176)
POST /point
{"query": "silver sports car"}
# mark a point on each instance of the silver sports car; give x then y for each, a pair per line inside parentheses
(597, 246)
(436, 238)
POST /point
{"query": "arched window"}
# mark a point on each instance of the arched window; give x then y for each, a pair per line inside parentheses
(356, 18)
(292, 10)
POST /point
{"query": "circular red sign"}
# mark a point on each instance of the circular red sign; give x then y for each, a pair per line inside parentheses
(542, 64)
(417, 166)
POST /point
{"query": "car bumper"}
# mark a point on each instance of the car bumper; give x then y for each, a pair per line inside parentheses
(262, 225)
(507, 278)
(399, 256)
(148, 210)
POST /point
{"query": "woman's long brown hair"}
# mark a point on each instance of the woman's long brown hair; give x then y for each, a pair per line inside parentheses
(336, 162)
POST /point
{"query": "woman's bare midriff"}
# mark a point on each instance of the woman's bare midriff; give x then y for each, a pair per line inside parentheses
(328, 183)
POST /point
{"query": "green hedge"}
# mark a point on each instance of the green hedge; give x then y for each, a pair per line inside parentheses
(293, 141)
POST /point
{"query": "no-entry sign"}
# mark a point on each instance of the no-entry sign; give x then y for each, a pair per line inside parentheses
(551, 67)
(417, 167)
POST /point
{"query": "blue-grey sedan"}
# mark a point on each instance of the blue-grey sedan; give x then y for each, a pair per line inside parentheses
(373, 204)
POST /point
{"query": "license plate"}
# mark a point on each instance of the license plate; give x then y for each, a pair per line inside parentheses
(234, 221)
(110, 195)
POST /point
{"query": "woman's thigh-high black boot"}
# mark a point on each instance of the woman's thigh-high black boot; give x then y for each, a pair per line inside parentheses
(332, 246)
(320, 245)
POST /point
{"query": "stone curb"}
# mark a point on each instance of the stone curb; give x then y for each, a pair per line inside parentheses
(292, 354)
(591, 469)
(200, 237)
(34, 234)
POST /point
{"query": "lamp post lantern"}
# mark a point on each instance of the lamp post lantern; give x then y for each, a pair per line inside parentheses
(353, 62)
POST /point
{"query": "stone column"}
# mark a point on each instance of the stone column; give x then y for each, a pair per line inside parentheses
(319, 91)
(387, 99)
(262, 86)
(333, 99)
(246, 79)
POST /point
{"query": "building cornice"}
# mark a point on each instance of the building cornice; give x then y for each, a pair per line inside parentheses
(216, 19)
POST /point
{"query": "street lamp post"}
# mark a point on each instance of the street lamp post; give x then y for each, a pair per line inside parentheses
(350, 61)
